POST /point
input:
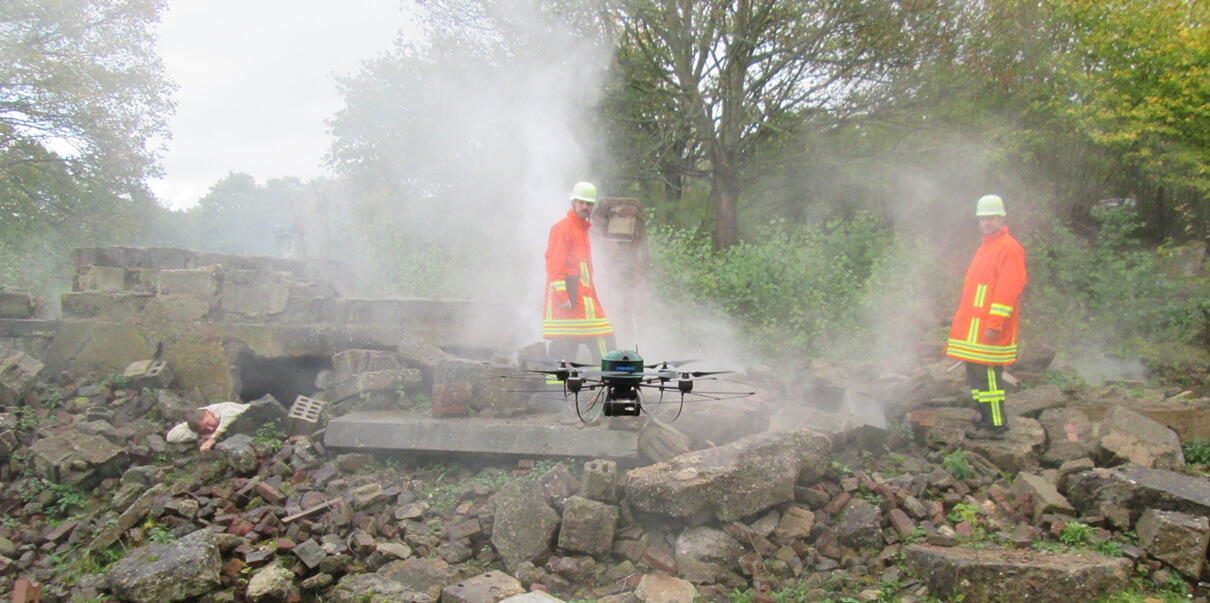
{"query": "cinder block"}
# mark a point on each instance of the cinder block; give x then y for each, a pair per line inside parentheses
(148, 373)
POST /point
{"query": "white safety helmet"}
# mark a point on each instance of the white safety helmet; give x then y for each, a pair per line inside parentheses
(990, 205)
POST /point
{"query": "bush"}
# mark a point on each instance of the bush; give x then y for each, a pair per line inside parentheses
(1106, 290)
(795, 286)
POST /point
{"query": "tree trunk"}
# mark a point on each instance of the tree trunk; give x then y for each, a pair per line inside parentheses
(724, 195)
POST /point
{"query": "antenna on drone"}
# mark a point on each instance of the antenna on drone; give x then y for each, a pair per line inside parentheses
(634, 324)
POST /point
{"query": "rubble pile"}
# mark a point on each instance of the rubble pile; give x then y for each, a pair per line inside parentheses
(97, 505)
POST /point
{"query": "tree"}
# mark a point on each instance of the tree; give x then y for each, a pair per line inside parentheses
(82, 94)
(714, 83)
(1142, 92)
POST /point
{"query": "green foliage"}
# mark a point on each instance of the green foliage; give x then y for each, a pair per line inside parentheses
(963, 512)
(956, 463)
(1109, 548)
(158, 533)
(84, 97)
(67, 498)
(115, 382)
(269, 435)
(1106, 290)
(1076, 534)
(1197, 451)
(792, 286)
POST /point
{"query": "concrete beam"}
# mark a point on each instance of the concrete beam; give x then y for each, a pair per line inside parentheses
(525, 436)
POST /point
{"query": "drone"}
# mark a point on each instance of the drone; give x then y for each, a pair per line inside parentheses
(617, 388)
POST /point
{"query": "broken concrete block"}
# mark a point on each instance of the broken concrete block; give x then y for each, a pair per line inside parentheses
(703, 554)
(658, 587)
(477, 384)
(118, 307)
(730, 482)
(272, 583)
(659, 442)
(1017, 575)
(1043, 496)
(367, 495)
(348, 363)
(263, 414)
(148, 373)
(858, 525)
(15, 304)
(77, 458)
(796, 522)
(524, 524)
(491, 586)
(1070, 433)
(304, 415)
(374, 382)
(600, 481)
(254, 294)
(310, 553)
(18, 371)
(1031, 402)
(1138, 488)
(1177, 539)
(238, 453)
(107, 279)
(111, 533)
(588, 526)
(177, 571)
(201, 283)
(1127, 436)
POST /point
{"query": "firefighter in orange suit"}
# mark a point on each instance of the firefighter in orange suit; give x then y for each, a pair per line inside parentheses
(984, 331)
(574, 315)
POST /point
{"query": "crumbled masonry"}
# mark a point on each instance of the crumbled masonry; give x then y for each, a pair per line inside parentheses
(799, 493)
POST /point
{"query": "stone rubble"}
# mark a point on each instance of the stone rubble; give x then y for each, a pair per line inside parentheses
(791, 493)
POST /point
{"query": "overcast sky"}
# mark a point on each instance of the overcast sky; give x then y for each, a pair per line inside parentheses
(257, 81)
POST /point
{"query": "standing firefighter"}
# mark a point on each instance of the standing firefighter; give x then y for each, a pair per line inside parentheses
(574, 315)
(984, 332)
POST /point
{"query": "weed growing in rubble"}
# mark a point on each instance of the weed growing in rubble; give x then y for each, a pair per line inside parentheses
(957, 464)
(963, 512)
(1197, 451)
(270, 436)
(116, 382)
(67, 497)
(1076, 533)
(28, 419)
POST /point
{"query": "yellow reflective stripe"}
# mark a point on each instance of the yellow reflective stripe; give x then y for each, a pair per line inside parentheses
(585, 279)
(981, 347)
(597, 332)
(964, 350)
(980, 293)
(576, 327)
(972, 335)
(590, 310)
(1000, 310)
(997, 408)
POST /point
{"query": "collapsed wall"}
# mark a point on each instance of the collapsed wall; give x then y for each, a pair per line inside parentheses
(208, 315)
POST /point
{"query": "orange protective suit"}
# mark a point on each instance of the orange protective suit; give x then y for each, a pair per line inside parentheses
(991, 299)
(568, 255)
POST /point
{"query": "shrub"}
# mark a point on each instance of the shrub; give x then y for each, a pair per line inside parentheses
(957, 464)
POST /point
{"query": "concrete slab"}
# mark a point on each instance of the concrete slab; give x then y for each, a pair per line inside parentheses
(540, 435)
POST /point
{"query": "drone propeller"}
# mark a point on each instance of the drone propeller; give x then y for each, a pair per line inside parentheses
(696, 374)
(669, 364)
(555, 362)
(669, 375)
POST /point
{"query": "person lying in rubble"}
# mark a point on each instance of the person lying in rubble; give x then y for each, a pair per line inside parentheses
(206, 424)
